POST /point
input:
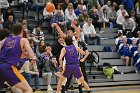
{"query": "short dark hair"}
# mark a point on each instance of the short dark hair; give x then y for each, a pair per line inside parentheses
(126, 17)
(68, 41)
(17, 29)
(4, 33)
(71, 28)
(52, 57)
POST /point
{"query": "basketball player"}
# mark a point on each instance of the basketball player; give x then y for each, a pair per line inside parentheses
(70, 52)
(10, 53)
(76, 41)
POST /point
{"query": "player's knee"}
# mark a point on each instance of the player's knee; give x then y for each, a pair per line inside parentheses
(81, 79)
(30, 90)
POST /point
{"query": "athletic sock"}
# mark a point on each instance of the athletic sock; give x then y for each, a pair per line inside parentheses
(72, 87)
(80, 88)
(89, 91)
(63, 89)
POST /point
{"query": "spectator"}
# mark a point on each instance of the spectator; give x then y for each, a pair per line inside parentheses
(59, 19)
(115, 5)
(128, 25)
(136, 59)
(50, 68)
(56, 2)
(92, 3)
(33, 46)
(90, 33)
(1, 19)
(96, 21)
(44, 57)
(107, 6)
(99, 11)
(26, 33)
(91, 11)
(105, 17)
(120, 19)
(138, 38)
(75, 4)
(29, 70)
(137, 22)
(38, 6)
(47, 54)
(37, 34)
(79, 10)
(65, 5)
(59, 8)
(47, 16)
(7, 13)
(112, 15)
(83, 4)
(121, 8)
(129, 5)
(83, 17)
(69, 17)
(9, 24)
(124, 51)
(118, 40)
(56, 48)
(138, 9)
(40, 48)
(134, 17)
(24, 21)
(4, 33)
(70, 6)
(133, 47)
(4, 4)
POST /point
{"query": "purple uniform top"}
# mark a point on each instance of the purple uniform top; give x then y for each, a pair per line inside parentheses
(71, 55)
(11, 50)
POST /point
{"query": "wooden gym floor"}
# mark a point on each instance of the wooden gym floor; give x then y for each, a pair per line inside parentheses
(117, 89)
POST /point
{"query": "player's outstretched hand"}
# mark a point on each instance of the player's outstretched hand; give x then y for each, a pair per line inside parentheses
(53, 24)
(82, 60)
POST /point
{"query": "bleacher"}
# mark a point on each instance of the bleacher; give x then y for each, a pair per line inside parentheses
(96, 77)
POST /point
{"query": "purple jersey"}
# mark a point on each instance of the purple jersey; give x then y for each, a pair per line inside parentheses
(11, 50)
(71, 55)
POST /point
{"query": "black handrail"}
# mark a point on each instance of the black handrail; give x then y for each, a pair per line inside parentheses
(94, 61)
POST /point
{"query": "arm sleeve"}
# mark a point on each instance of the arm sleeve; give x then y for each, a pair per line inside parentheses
(83, 45)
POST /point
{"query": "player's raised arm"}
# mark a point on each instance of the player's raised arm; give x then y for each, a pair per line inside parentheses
(77, 29)
(62, 35)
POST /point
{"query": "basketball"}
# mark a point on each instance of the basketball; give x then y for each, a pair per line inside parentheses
(50, 7)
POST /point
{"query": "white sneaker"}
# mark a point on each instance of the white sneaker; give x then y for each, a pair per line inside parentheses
(122, 73)
(50, 88)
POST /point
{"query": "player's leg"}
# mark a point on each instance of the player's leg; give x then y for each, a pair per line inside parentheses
(65, 74)
(59, 85)
(59, 75)
(24, 87)
(81, 79)
(15, 79)
(79, 76)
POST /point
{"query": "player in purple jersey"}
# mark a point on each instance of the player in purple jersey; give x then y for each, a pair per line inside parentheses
(70, 52)
(11, 50)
